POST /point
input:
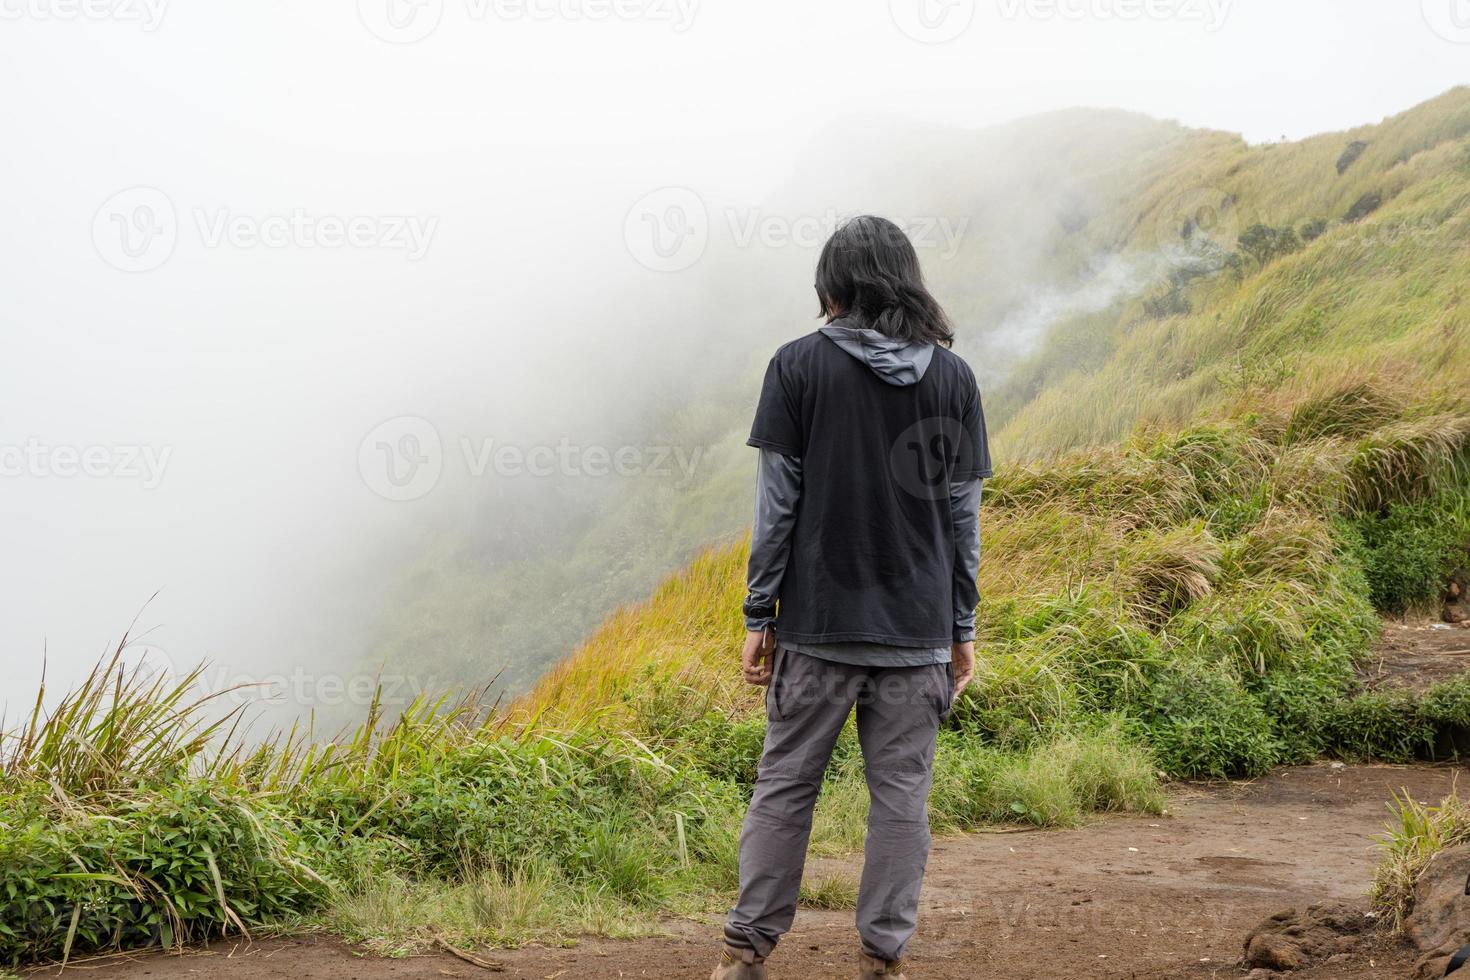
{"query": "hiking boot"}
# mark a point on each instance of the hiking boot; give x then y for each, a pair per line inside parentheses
(870, 968)
(739, 964)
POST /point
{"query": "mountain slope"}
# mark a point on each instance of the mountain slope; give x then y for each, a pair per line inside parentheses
(1192, 598)
(1096, 279)
(1288, 405)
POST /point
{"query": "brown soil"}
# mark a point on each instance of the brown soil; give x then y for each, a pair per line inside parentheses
(1416, 655)
(1140, 897)
(1136, 897)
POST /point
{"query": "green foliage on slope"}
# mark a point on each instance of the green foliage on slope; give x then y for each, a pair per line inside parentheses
(1211, 471)
(1099, 285)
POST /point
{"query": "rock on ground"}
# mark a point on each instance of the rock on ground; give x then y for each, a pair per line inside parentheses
(1295, 939)
(1440, 921)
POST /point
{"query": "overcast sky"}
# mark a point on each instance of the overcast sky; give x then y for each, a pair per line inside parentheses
(240, 235)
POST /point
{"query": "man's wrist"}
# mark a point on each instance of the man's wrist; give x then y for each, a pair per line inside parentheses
(760, 612)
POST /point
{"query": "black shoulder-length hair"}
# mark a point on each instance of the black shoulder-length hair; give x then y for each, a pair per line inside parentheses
(869, 275)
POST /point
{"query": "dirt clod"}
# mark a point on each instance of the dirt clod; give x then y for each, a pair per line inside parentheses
(1291, 940)
(1440, 921)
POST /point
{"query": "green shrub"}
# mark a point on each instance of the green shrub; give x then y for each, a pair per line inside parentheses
(1382, 724)
(1408, 550)
(1201, 722)
(1448, 703)
(726, 748)
(1054, 783)
(181, 863)
(1264, 243)
(1312, 230)
(1299, 706)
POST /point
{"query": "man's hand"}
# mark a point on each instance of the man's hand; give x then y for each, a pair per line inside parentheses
(962, 657)
(755, 659)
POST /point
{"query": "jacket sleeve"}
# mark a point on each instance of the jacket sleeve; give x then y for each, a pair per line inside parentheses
(777, 494)
(964, 507)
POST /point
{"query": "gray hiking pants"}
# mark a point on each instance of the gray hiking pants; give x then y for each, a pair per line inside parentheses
(899, 710)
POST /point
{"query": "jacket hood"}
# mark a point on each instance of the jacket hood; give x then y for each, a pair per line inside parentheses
(898, 362)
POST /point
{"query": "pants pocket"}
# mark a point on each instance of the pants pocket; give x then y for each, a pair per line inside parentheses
(948, 694)
(773, 691)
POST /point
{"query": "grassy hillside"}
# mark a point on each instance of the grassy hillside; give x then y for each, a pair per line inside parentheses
(1208, 590)
(1098, 285)
(1305, 389)
(1376, 293)
(1214, 474)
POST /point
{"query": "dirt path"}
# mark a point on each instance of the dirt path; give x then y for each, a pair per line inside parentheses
(1132, 897)
(1418, 654)
(1142, 898)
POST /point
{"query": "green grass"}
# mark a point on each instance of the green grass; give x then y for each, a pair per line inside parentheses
(444, 825)
(1378, 300)
(1189, 539)
(485, 906)
(832, 892)
(1212, 588)
(1416, 833)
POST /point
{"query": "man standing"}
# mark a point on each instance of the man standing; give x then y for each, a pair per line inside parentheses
(862, 584)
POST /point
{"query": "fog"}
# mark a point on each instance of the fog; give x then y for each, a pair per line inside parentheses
(322, 319)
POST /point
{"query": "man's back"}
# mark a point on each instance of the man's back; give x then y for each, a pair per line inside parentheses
(873, 545)
(863, 558)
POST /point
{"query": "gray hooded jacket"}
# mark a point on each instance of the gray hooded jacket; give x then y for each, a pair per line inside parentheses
(778, 494)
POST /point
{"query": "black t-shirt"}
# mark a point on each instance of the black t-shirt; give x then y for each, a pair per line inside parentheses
(873, 549)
